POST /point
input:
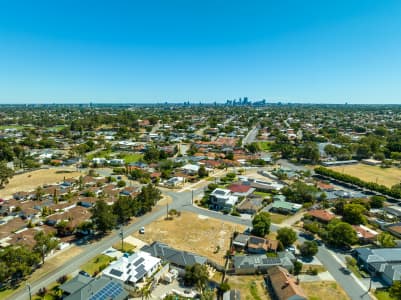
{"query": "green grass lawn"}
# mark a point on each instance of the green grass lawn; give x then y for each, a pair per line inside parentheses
(57, 127)
(277, 218)
(97, 264)
(2, 127)
(264, 146)
(132, 157)
(383, 295)
(355, 270)
(101, 153)
(262, 194)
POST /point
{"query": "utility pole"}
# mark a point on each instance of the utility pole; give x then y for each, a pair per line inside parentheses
(29, 291)
(122, 238)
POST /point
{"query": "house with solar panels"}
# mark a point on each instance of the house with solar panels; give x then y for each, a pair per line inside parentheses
(133, 269)
(87, 288)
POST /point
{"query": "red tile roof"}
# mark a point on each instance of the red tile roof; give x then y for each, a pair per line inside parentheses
(321, 214)
(239, 188)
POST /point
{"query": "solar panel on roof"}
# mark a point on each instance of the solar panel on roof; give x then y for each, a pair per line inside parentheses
(111, 290)
(140, 274)
(140, 268)
(140, 260)
(116, 272)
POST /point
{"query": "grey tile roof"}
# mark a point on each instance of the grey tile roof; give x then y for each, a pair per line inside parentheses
(100, 288)
(75, 284)
(174, 256)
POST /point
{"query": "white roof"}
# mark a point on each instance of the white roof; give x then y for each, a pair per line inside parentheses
(191, 167)
(132, 268)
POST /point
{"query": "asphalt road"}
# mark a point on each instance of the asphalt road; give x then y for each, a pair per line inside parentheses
(182, 201)
(251, 136)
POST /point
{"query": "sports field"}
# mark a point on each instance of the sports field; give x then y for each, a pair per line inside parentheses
(385, 176)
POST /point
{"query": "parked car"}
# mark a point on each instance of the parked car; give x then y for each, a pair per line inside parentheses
(345, 271)
(84, 273)
(142, 230)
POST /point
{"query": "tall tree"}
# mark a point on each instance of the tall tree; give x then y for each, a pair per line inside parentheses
(102, 217)
(261, 224)
(45, 243)
(5, 173)
(286, 236)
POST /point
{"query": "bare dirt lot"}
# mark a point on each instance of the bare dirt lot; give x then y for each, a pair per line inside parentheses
(385, 176)
(251, 287)
(31, 180)
(194, 233)
(327, 290)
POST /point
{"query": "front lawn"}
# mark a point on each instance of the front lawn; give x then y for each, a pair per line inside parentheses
(383, 294)
(132, 157)
(97, 264)
(277, 218)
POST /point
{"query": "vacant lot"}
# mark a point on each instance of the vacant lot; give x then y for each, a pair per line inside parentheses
(194, 233)
(327, 290)
(31, 180)
(385, 176)
(251, 287)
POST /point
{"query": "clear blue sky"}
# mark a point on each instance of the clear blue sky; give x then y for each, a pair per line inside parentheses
(153, 51)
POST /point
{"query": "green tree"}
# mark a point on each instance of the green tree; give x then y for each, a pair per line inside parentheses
(151, 154)
(102, 217)
(341, 233)
(300, 192)
(45, 243)
(386, 240)
(354, 214)
(395, 290)
(297, 267)
(122, 209)
(309, 248)
(5, 173)
(202, 172)
(377, 201)
(197, 275)
(286, 236)
(261, 224)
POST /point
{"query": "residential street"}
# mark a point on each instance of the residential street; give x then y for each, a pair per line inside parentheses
(182, 201)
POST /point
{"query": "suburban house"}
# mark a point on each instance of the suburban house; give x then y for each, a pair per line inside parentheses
(258, 245)
(177, 258)
(222, 199)
(383, 262)
(283, 285)
(321, 215)
(133, 268)
(81, 288)
(175, 181)
(285, 207)
(252, 264)
(190, 169)
(394, 229)
(250, 206)
(394, 210)
(241, 190)
(240, 241)
(365, 234)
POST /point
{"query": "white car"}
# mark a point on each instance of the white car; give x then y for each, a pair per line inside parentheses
(142, 230)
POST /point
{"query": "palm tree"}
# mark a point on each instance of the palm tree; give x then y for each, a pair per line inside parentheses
(146, 292)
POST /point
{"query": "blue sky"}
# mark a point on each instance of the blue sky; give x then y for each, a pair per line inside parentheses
(156, 51)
